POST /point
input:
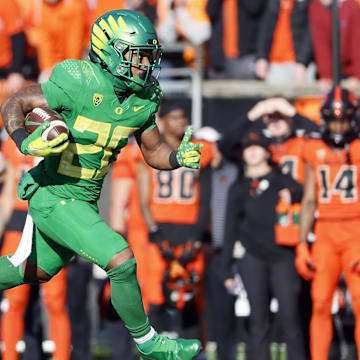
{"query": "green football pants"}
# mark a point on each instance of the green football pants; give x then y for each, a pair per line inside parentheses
(64, 227)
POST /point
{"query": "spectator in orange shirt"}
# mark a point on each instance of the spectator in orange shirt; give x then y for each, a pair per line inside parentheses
(61, 31)
(187, 19)
(284, 44)
(180, 20)
(12, 47)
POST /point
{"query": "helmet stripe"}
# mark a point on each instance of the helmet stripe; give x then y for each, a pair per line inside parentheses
(104, 25)
(97, 42)
(121, 22)
(338, 94)
(338, 102)
(114, 25)
(99, 33)
(98, 52)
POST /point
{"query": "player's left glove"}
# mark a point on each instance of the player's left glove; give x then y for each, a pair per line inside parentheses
(188, 154)
(36, 146)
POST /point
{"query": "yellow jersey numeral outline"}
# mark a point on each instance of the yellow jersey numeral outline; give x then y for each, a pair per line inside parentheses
(103, 131)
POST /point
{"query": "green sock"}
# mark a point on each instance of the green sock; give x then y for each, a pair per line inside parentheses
(10, 276)
(126, 298)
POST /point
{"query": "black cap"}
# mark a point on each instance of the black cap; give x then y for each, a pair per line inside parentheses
(255, 138)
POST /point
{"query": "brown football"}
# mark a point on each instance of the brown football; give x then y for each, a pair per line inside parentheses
(38, 116)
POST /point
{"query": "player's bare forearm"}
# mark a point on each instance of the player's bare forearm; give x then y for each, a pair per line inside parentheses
(158, 158)
(13, 109)
(7, 196)
(307, 217)
(308, 204)
(119, 200)
(155, 150)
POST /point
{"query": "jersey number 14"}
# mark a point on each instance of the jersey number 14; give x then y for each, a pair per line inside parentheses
(344, 184)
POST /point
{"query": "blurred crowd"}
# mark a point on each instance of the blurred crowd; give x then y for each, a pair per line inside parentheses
(217, 249)
(273, 40)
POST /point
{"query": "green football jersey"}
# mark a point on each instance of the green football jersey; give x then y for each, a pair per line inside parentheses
(99, 126)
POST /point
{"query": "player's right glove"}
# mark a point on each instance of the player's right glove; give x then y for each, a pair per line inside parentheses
(303, 261)
(36, 146)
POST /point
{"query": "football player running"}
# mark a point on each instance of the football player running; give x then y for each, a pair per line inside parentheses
(103, 101)
(331, 189)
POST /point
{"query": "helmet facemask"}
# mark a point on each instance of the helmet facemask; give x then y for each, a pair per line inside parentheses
(130, 55)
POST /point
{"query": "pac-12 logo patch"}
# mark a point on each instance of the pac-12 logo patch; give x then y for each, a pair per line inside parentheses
(97, 99)
(321, 153)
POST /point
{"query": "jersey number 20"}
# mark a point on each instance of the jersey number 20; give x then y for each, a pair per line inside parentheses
(102, 144)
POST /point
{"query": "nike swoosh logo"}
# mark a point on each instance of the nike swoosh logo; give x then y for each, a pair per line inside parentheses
(31, 148)
(138, 108)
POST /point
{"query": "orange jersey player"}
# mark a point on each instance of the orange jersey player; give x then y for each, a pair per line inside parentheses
(54, 292)
(288, 154)
(332, 190)
(286, 128)
(175, 196)
(125, 211)
(170, 203)
(125, 168)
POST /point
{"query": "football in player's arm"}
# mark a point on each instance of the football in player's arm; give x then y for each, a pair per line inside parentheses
(103, 101)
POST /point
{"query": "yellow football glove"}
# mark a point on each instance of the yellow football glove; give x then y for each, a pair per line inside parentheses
(36, 146)
(188, 154)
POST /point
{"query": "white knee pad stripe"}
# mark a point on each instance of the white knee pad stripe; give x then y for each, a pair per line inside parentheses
(24, 248)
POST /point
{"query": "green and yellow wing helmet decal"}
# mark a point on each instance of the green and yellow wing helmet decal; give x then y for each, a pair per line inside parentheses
(121, 32)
